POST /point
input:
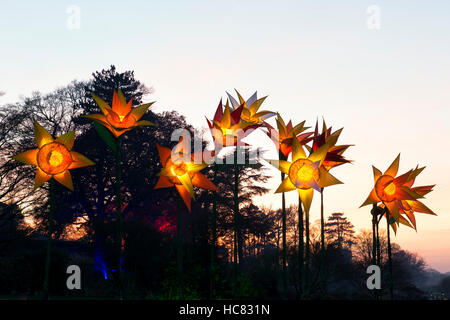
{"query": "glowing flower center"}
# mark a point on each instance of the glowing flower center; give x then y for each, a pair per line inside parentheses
(302, 172)
(390, 189)
(385, 188)
(54, 158)
(180, 169)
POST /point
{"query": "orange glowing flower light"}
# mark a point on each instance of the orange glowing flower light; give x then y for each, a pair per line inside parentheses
(397, 193)
(250, 108)
(286, 133)
(305, 174)
(121, 117)
(53, 157)
(180, 171)
(227, 128)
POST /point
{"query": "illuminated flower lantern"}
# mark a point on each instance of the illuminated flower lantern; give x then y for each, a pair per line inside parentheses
(250, 108)
(399, 199)
(397, 193)
(120, 117)
(286, 133)
(227, 128)
(305, 173)
(53, 158)
(180, 171)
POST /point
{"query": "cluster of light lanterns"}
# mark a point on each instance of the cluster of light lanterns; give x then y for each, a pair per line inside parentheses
(307, 171)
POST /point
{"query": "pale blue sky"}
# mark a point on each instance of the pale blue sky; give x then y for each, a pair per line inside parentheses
(389, 88)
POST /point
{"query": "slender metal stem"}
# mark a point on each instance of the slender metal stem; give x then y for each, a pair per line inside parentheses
(213, 237)
(283, 216)
(374, 241)
(49, 238)
(235, 221)
(119, 217)
(391, 279)
(322, 247)
(307, 256)
(180, 251)
(300, 247)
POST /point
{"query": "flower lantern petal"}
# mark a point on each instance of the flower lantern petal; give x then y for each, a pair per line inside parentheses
(139, 111)
(67, 139)
(196, 167)
(41, 178)
(411, 218)
(250, 101)
(234, 102)
(236, 115)
(226, 118)
(281, 165)
(327, 179)
(99, 118)
(393, 168)
(393, 209)
(299, 128)
(413, 176)
(145, 123)
(65, 179)
(104, 107)
(405, 222)
(319, 154)
(187, 183)
(79, 161)
(423, 190)
(306, 197)
(126, 107)
(118, 105)
(199, 180)
(315, 185)
(163, 182)
(376, 174)
(286, 186)
(402, 179)
(297, 151)
(371, 199)
(27, 157)
(219, 112)
(164, 154)
(419, 207)
(42, 136)
(405, 193)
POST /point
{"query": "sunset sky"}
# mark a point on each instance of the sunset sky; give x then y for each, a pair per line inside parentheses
(388, 87)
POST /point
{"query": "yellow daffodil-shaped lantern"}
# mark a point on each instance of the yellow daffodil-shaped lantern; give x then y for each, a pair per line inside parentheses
(397, 193)
(305, 173)
(53, 157)
(120, 117)
(180, 171)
